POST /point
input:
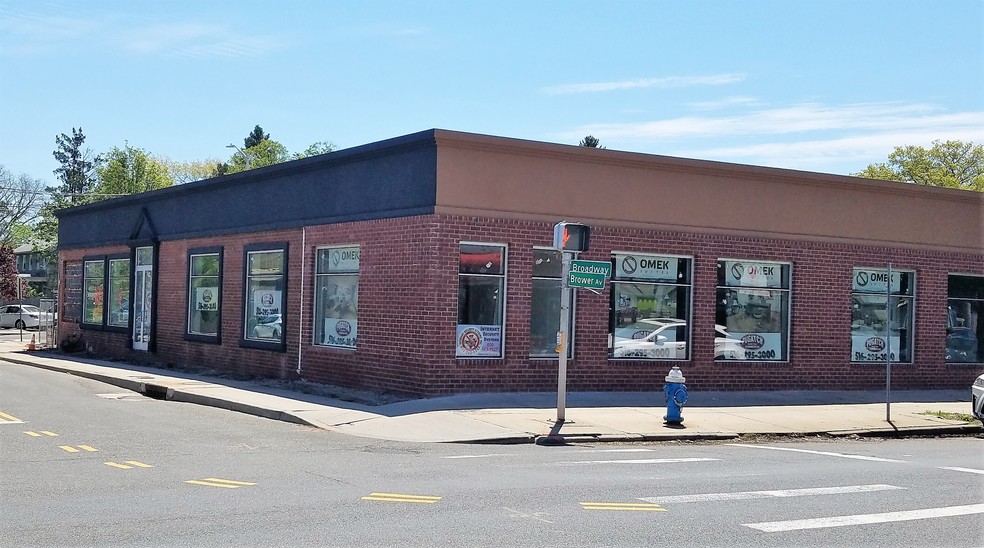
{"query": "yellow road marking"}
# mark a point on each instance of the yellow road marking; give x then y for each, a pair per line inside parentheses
(71, 449)
(216, 482)
(34, 434)
(8, 418)
(129, 464)
(397, 497)
(632, 506)
(52, 434)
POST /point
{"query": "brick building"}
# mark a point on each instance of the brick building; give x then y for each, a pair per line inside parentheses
(423, 265)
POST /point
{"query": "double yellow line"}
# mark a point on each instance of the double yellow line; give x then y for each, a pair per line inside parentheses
(216, 482)
(395, 497)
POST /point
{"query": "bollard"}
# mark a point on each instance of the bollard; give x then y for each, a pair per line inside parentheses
(676, 396)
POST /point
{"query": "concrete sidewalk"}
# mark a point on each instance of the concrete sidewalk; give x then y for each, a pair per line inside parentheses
(531, 417)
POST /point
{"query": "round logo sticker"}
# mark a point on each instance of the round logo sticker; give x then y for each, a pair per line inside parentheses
(862, 279)
(629, 264)
(470, 340)
(343, 328)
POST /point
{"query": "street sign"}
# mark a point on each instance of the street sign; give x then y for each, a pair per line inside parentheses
(589, 274)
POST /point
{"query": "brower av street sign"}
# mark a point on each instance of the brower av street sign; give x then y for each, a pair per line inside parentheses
(589, 274)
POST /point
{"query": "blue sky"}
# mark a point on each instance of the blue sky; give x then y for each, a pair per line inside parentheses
(818, 85)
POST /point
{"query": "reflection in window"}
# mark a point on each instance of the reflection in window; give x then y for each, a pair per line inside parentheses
(265, 282)
(94, 282)
(650, 307)
(205, 293)
(871, 319)
(119, 292)
(337, 297)
(545, 305)
(481, 288)
(965, 319)
(752, 311)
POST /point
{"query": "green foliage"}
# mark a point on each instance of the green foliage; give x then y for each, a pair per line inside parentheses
(255, 138)
(20, 198)
(266, 153)
(949, 164)
(77, 172)
(320, 147)
(591, 142)
(130, 170)
(195, 170)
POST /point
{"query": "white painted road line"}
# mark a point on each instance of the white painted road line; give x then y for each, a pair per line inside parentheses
(632, 450)
(958, 469)
(866, 519)
(746, 495)
(637, 461)
(824, 453)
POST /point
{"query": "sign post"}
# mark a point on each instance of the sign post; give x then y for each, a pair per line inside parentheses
(562, 335)
(888, 346)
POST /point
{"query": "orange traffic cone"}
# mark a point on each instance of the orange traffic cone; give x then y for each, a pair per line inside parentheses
(32, 346)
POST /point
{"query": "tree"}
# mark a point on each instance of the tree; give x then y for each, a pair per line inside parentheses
(950, 164)
(320, 147)
(130, 170)
(255, 137)
(195, 170)
(265, 153)
(8, 275)
(77, 172)
(20, 199)
(591, 142)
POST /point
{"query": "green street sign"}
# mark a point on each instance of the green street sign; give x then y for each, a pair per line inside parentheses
(589, 274)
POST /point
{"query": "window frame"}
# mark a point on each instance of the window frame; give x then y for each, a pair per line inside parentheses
(476, 329)
(653, 280)
(189, 335)
(911, 286)
(972, 299)
(327, 275)
(753, 341)
(248, 251)
(104, 261)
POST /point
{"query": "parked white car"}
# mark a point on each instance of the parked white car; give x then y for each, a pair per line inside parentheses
(666, 338)
(977, 391)
(24, 317)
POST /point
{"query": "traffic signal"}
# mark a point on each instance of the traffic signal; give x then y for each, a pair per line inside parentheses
(571, 236)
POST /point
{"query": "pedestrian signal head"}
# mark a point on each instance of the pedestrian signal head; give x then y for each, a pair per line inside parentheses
(571, 236)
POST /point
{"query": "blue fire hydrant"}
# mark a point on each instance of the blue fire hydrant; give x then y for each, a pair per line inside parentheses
(676, 396)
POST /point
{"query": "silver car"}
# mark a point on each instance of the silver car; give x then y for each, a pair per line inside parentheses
(25, 316)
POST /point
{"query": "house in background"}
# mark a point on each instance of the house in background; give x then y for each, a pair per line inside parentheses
(41, 273)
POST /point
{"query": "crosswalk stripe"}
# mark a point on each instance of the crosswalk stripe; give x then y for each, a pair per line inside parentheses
(959, 469)
(639, 461)
(629, 506)
(746, 495)
(866, 519)
(824, 453)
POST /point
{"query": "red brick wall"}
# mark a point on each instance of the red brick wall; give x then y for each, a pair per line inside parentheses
(408, 312)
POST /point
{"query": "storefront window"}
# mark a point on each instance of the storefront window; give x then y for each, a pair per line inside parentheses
(752, 311)
(94, 281)
(965, 319)
(481, 296)
(337, 297)
(650, 307)
(545, 305)
(119, 292)
(204, 293)
(265, 283)
(870, 316)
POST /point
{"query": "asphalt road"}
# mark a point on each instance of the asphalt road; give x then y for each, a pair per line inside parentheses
(87, 464)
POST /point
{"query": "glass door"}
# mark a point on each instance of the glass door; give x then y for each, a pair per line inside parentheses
(143, 293)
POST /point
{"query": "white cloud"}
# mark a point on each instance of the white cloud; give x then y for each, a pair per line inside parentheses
(664, 82)
(192, 39)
